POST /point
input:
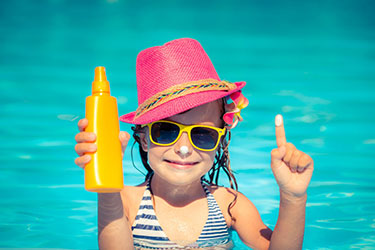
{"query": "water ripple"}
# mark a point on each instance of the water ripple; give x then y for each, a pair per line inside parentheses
(338, 195)
(306, 99)
(67, 117)
(331, 183)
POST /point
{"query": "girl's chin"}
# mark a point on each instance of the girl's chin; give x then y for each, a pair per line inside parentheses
(180, 177)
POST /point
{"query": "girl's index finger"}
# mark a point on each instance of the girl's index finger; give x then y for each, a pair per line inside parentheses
(280, 132)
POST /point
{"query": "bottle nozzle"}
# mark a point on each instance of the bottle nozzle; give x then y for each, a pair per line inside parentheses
(100, 74)
(100, 85)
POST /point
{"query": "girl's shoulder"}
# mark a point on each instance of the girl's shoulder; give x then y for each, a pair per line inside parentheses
(133, 193)
(131, 199)
(221, 192)
(225, 194)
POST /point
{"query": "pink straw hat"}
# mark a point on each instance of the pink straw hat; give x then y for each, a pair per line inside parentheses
(174, 78)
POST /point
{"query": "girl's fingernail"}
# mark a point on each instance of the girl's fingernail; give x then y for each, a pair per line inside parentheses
(278, 120)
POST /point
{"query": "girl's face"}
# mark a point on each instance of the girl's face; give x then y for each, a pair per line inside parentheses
(175, 167)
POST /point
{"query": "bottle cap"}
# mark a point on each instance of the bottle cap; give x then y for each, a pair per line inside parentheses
(100, 85)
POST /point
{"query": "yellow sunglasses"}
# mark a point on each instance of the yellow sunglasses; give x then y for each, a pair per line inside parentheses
(202, 137)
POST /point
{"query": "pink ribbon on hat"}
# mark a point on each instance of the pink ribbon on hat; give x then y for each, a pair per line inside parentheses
(232, 110)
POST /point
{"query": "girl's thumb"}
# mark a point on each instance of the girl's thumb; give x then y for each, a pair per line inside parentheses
(124, 139)
(277, 155)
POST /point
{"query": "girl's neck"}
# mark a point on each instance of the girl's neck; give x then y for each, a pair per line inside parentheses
(176, 195)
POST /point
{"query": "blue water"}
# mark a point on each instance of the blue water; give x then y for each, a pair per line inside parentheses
(314, 62)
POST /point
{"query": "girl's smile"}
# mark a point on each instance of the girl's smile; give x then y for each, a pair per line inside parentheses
(183, 165)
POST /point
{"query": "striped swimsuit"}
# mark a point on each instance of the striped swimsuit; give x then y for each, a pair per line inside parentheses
(148, 234)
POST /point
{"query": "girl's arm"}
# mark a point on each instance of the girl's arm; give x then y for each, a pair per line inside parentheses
(247, 223)
(290, 226)
(292, 170)
(113, 228)
(288, 232)
(114, 231)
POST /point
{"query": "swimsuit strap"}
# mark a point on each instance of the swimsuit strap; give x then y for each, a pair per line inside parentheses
(215, 232)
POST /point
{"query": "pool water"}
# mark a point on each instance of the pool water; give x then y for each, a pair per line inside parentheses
(313, 62)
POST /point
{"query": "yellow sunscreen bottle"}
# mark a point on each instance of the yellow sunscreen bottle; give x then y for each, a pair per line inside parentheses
(103, 174)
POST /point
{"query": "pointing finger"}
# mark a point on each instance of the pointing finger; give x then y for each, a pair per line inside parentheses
(279, 130)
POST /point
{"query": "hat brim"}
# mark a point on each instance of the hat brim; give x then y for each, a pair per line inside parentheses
(179, 105)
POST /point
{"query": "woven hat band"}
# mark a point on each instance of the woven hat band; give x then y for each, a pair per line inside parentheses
(182, 90)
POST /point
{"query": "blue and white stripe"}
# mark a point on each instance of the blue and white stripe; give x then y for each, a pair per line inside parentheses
(148, 234)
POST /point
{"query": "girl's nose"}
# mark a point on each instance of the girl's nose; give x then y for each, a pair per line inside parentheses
(183, 146)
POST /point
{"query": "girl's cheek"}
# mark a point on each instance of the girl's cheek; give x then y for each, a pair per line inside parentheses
(210, 158)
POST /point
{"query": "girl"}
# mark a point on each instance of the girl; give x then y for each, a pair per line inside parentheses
(183, 125)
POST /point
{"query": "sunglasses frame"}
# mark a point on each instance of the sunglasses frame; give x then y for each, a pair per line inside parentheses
(187, 129)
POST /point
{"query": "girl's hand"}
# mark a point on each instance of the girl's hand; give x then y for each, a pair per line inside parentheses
(292, 168)
(86, 143)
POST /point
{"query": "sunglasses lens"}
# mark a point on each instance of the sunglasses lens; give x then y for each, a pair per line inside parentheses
(204, 138)
(164, 133)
